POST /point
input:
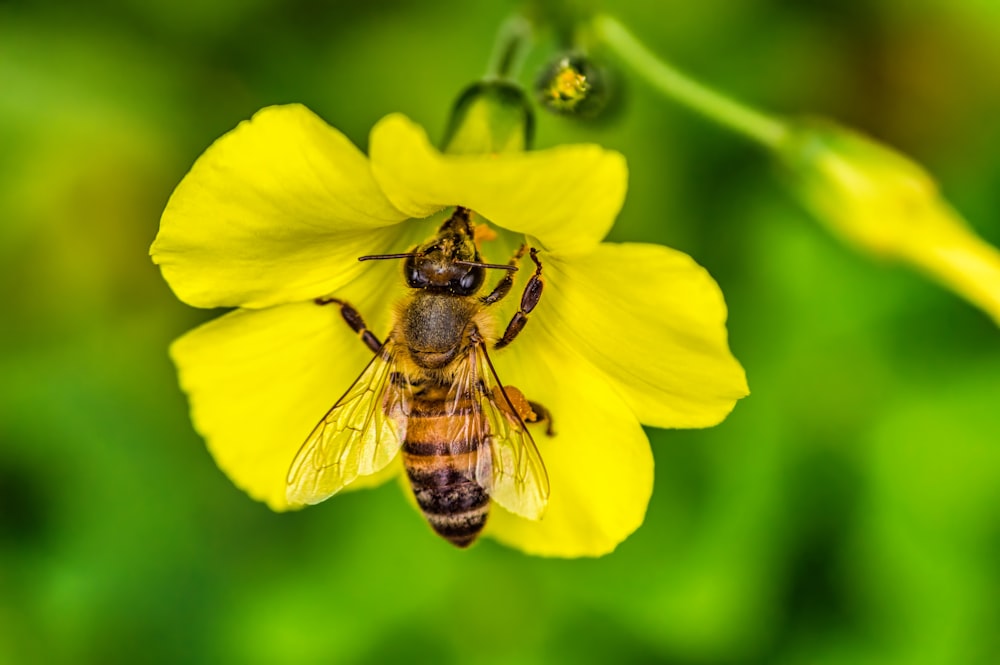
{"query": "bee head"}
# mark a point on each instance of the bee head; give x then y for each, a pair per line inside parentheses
(447, 263)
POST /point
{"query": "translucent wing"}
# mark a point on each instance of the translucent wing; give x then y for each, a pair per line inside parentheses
(508, 464)
(359, 436)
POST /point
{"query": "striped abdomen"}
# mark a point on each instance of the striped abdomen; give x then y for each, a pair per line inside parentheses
(439, 453)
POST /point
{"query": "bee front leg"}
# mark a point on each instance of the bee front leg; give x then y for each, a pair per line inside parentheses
(529, 298)
(354, 320)
(503, 287)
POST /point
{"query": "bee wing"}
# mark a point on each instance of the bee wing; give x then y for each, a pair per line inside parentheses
(509, 466)
(359, 436)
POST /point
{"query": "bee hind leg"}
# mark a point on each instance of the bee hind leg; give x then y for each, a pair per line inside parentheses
(542, 415)
(528, 411)
(354, 320)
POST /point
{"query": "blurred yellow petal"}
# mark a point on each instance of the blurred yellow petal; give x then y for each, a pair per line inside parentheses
(654, 322)
(259, 381)
(275, 211)
(567, 197)
(884, 203)
(599, 462)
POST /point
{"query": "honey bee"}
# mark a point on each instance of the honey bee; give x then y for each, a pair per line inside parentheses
(432, 392)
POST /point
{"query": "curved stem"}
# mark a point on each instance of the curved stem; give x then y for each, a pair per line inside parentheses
(510, 48)
(755, 125)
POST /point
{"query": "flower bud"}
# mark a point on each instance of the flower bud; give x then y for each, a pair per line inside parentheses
(490, 117)
(573, 84)
(881, 201)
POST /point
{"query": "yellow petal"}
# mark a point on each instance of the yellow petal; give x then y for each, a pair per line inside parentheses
(884, 203)
(599, 463)
(275, 211)
(259, 381)
(654, 322)
(567, 197)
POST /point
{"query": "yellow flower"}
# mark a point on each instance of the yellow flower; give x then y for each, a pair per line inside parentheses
(276, 214)
(884, 203)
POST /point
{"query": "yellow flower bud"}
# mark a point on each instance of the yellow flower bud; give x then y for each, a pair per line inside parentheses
(881, 201)
(490, 117)
(574, 85)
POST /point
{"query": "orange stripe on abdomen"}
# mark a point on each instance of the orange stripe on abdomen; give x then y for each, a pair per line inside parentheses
(445, 434)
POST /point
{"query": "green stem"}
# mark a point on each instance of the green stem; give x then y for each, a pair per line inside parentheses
(741, 119)
(510, 48)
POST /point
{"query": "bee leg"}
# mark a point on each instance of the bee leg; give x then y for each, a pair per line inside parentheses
(503, 287)
(542, 415)
(354, 320)
(528, 411)
(529, 298)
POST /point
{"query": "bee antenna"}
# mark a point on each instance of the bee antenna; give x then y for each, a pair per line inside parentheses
(373, 257)
(498, 266)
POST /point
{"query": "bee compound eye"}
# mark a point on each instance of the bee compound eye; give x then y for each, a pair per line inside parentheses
(469, 282)
(414, 279)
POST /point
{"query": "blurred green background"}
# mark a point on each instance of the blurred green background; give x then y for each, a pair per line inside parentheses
(845, 513)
